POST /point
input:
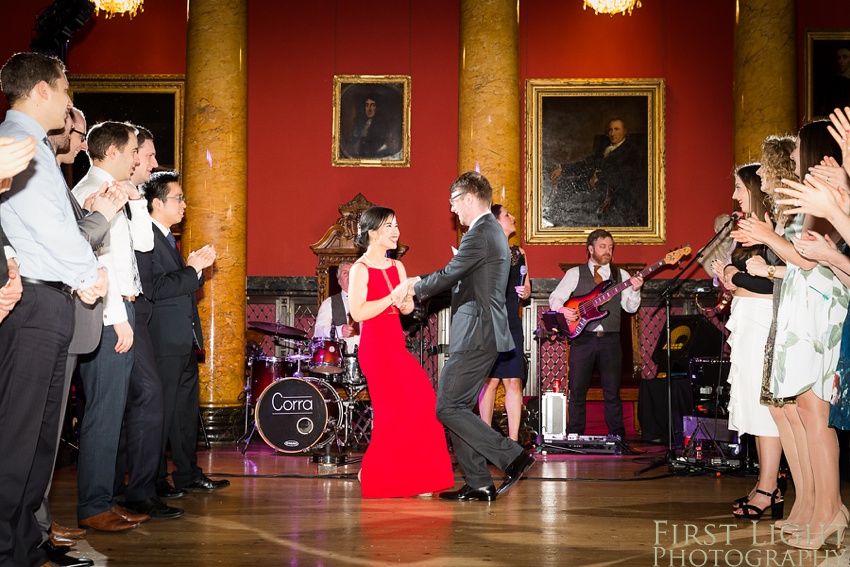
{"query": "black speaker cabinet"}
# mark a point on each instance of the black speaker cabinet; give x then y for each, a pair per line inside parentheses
(693, 336)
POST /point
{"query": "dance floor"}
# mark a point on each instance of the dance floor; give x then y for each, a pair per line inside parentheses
(569, 510)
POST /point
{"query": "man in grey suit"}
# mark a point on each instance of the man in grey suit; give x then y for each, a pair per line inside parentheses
(478, 276)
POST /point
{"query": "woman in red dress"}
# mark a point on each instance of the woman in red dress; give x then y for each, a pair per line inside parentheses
(403, 399)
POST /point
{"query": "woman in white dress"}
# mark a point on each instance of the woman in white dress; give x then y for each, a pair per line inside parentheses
(749, 324)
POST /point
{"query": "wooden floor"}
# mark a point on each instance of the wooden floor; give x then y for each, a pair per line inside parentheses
(570, 510)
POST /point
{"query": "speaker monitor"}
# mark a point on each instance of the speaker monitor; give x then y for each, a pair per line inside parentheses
(692, 336)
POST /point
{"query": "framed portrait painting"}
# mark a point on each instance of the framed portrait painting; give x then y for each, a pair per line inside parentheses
(594, 159)
(827, 72)
(371, 121)
(152, 101)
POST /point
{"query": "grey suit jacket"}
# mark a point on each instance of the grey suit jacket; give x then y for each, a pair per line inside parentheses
(478, 276)
(88, 319)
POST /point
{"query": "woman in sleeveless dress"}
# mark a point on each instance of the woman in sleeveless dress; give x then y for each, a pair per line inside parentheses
(809, 321)
(403, 399)
(748, 325)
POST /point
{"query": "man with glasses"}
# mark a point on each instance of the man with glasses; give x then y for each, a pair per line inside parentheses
(175, 329)
(478, 277)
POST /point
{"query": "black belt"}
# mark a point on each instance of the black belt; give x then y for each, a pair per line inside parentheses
(604, 333)
(55, 285)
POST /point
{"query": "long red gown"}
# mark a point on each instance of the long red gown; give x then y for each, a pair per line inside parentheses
(407, 454)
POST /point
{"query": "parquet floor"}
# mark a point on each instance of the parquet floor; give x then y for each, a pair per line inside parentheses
(570, 510)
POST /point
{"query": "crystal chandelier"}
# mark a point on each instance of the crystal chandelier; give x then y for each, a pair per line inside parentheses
(612, 6)
(112, 7)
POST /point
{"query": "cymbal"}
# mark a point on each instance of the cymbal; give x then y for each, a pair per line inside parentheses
(276, 329)
(297, 357)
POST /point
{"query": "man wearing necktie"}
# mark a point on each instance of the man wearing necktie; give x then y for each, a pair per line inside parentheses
(54, 262)
(599, 345)
(175, 329)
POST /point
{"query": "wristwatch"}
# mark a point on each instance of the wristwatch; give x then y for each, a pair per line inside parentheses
(771, 270)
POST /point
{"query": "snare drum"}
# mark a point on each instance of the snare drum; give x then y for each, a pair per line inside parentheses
(295, 414)
(327, 356)
(352, 374)
(265, 370)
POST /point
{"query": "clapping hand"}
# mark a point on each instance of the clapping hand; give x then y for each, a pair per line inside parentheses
(11, 292)
(14, 158)
(814, 246)
(203, 258)
(751, 230)
(815, 197)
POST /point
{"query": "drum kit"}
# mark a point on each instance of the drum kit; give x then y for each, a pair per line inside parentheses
(296, 399)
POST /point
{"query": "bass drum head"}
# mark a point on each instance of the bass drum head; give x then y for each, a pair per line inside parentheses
(295, 414)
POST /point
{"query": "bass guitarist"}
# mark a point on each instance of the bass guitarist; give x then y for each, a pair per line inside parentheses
(599, 345)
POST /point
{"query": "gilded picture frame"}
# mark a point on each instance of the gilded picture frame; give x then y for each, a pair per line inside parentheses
(827, 72)
(595, 158)
(371, 121)
(152, 101)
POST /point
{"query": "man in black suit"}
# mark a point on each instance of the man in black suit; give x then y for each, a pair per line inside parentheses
(478, 276)
(613, 169)
(175, 330)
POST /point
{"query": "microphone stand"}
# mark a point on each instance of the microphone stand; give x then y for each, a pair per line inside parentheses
(666, 294)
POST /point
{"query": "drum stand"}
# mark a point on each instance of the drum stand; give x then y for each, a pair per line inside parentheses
(351, 391)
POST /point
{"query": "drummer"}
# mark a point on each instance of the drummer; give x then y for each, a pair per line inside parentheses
(334, 313)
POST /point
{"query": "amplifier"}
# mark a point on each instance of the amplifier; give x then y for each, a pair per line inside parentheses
(707, 428)
(554, 417)
(710, 386)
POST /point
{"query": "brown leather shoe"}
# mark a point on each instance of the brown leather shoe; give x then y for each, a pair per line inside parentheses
(63, 532)
(133, 517)
(108, 521)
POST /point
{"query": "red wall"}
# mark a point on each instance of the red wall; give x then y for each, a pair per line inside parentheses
(293, 189)
(294, 49)
(560, 40)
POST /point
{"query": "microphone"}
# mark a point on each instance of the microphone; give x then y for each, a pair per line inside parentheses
(522, 271)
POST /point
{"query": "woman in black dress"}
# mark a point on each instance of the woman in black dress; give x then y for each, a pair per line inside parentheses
(510, 366)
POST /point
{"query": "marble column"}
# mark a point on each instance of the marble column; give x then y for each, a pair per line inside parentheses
(489, 98)
(765, 86)
(215, 184)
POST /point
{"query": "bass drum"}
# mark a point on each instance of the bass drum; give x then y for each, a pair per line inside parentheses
(296, 414)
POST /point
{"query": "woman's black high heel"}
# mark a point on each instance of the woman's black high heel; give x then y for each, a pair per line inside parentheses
(781, 484)
(777, 507)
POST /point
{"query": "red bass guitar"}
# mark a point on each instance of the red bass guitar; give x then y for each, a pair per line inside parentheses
(589, 303)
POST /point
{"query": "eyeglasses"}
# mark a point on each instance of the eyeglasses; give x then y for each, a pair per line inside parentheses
(455, 197)
(181, 198)
(75, 131)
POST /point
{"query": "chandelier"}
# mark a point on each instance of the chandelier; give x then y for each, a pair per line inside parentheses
(112, 7)
(612, 6)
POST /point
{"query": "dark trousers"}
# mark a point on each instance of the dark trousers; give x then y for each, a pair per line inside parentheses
(34, 341)
(474, 441)
(179, 376)
(140, 445)
(604, 353)
(105, 376)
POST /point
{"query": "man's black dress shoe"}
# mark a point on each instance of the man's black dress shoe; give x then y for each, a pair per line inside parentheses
(205, 484)
(515, 470)
(153, 507)
(485, 494)
(165, 490)
(59, 558)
